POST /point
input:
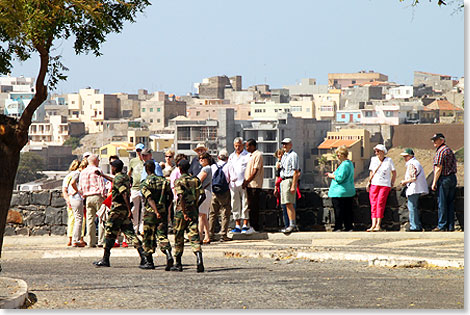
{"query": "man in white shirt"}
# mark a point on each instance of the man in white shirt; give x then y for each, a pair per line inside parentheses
(237, 162)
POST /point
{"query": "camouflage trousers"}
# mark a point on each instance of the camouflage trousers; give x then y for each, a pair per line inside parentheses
(118, 220)
(190, 226)
(155, 230)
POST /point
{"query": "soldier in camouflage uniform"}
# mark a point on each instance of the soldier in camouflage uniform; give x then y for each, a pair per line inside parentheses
(190, 195)
(120, 216)
(158, 196)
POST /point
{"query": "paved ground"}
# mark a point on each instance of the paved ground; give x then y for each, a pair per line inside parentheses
(248, 273)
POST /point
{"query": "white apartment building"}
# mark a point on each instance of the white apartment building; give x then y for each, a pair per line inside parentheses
(52, 132)
(398, 92)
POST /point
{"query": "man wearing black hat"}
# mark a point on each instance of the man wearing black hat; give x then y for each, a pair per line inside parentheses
(119, 216)
(444, 182)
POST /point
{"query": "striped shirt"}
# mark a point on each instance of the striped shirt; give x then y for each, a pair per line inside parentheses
(90, 183)
(446, 158)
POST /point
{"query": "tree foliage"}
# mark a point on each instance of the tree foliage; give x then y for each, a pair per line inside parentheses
(28, 169)
(73, 142)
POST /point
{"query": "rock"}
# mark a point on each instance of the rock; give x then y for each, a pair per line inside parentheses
(35, 218)
(41, 198)
(20, 199)
(22, 231)
(40, 230)
(15, 217)
(53, 215)
(57, 200)
(9, 231)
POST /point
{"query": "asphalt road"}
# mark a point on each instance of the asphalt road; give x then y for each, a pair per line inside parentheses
(235, 283)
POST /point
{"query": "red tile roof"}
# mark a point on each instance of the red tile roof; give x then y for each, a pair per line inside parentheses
(334, 143)
(429, 73)
(443, 105)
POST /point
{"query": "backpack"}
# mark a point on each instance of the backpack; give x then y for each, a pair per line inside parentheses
(219, 181)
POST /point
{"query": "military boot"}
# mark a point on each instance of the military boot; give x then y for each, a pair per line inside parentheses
(148, 262)
(104, 262)
(178, 266)
(169, 260)
(200, 264)
(143, 257)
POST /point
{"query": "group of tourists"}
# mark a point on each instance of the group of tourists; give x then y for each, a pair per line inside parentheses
(382, 177)
(190, 196)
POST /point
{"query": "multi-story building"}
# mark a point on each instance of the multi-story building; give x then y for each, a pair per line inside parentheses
(162, 142)
(326, 105)
(268, 109)
(340, 80)
(216, 133)
(136, 136)
(54, 131)
(355, 97)
(307, 86)
(214, 87)
(358, 143)
(306, 134)
(438, 82)
(92, 108)
(200, 112)
(158, 110)
(448, 113)
(352, 116)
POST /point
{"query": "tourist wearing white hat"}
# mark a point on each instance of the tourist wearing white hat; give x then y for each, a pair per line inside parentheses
(196, 167)
(381, 180)
(290, 172)
(416, 184)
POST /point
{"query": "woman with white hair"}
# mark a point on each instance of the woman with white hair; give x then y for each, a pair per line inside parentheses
(381, 180)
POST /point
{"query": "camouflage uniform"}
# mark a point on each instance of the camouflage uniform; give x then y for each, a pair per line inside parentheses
(190, 188)
(118, 219)
(159, 190)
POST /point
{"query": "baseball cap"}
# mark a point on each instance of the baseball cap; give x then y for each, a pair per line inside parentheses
(437, 136)
(146, 151)
(139, 146)
(381, 147)
(87, 154)
(286, 140)
(407, 151)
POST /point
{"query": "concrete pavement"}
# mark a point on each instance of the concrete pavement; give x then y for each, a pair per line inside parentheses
(387, 249)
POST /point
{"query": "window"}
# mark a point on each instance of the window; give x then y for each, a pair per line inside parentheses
(388, 113)
(353, 81)
(158, 120)
(368, 113)
(151, 120)
(158, 109)
(184, 146)
(97, 102)
(343, 116)
(151, 109)
(143, 109)
(198, 113)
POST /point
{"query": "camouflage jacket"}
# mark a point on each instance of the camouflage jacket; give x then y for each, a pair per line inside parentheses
(190, 187)
(158, 188)
(121, 185)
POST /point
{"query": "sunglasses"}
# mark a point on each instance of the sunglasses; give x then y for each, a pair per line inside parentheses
(169, 156)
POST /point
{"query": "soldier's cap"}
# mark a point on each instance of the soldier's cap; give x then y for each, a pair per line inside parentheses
(146, 151)
(117, 164)
(286, 141)
(407, 151)
(437, 136)
(183, 163)
(139, 147)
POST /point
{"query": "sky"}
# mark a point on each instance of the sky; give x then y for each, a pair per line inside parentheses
(176, 43)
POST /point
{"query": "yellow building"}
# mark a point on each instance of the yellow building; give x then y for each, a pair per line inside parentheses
(356, 140)
(139, 136)
(162, 142)
(120, 149)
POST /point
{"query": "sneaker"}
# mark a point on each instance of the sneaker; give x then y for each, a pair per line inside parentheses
(289, 229)
(116, 244)
(236, 230)
(124, 244)
(248, 230)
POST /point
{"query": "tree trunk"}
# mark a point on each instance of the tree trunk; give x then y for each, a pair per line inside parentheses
(11, 142)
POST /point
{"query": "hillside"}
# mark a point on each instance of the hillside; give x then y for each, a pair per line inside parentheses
(425, 157)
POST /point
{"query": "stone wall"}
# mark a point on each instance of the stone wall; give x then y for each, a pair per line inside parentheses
(44, 213)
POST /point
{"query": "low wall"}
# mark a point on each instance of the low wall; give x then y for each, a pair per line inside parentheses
(44, 213)
(422, 134)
